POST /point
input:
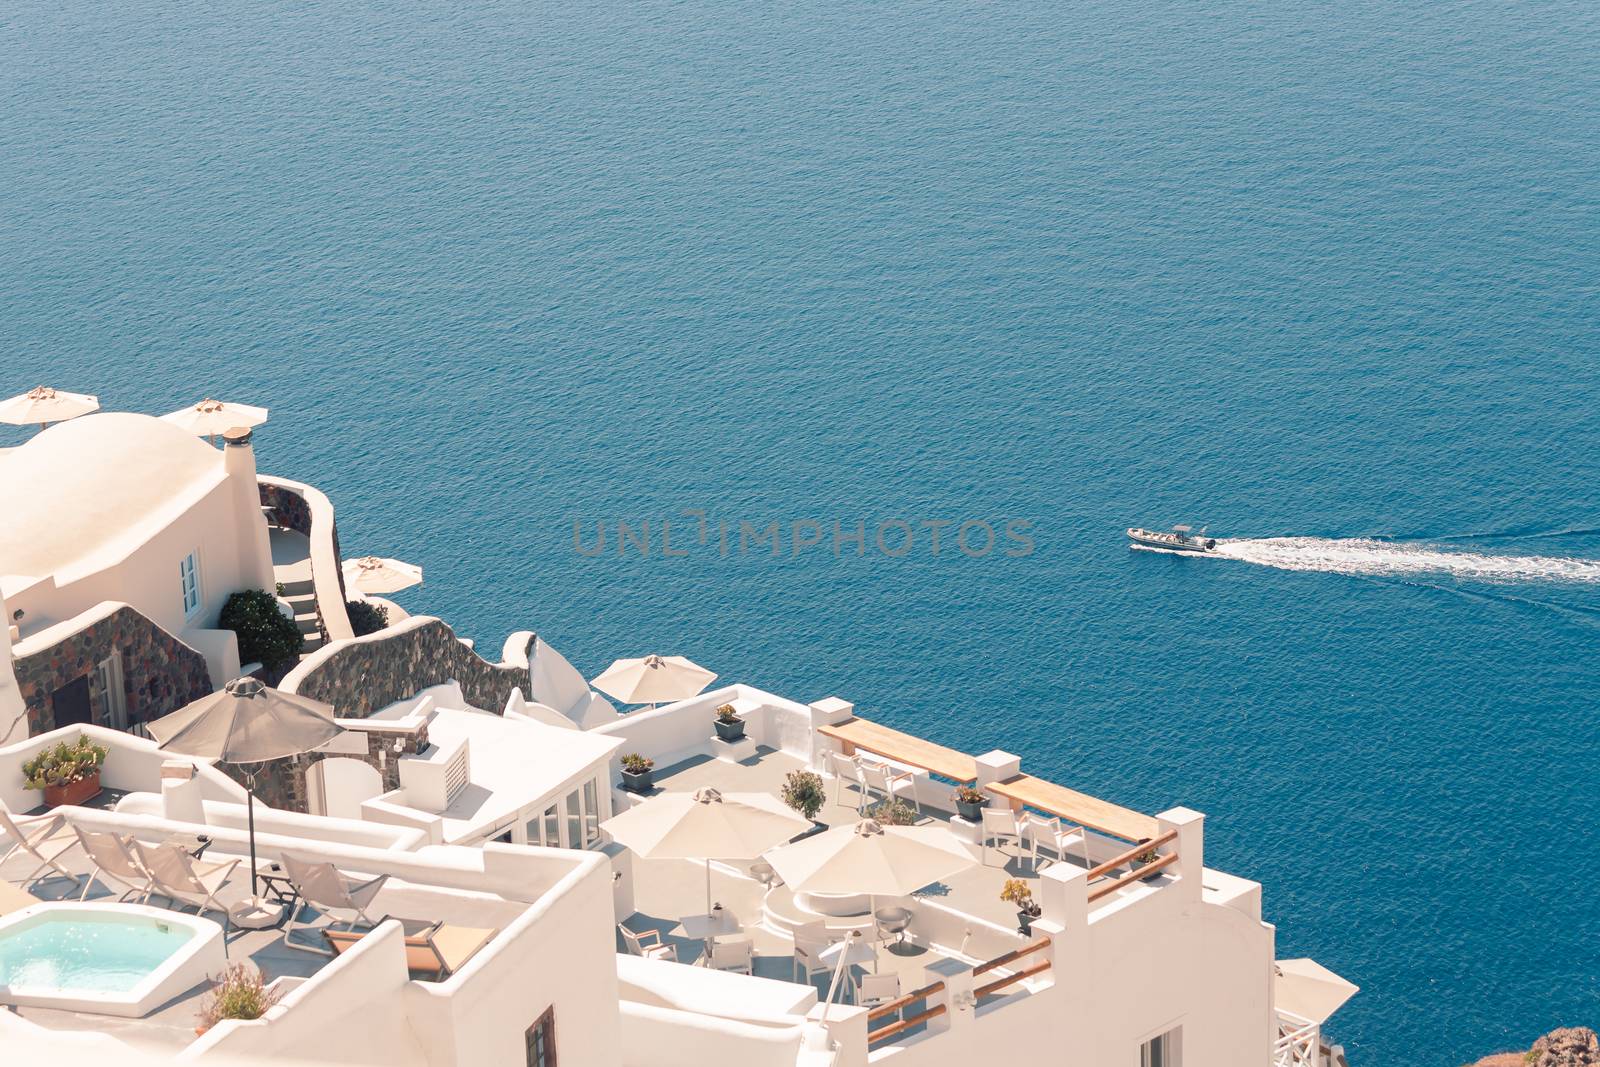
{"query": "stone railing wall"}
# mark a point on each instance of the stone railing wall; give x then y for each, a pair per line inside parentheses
(160, 673)
(289, 509)
(363, 674)
(314, 512)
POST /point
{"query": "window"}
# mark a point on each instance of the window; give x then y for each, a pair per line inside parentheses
(542, 1041)
(591, 814)
(574, 821)
(189, 578)
(552, 827)
(1162, 1050)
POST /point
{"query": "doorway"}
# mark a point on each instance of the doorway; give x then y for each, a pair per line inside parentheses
(69, 705)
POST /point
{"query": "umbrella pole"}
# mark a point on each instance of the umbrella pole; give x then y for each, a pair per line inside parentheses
(250, 810)
(708, 887)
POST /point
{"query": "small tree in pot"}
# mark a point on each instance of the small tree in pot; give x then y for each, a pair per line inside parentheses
(729, 726)
(1016, 891)
(636, 772)
(970, 802)
(68, 773)
(804, 792)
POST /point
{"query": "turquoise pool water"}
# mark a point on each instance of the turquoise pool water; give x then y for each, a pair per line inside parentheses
(86, 955)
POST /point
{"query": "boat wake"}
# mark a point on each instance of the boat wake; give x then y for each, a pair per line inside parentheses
(1365, 556)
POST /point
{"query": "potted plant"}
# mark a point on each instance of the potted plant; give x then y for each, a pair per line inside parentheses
(239, 993)
(804, 792)
(970, 802)
(68, 773)
(636, 772)
(895, 812)
(729, 726)
(1016, 891)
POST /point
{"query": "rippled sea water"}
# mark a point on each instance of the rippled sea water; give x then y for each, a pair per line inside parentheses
(1323, 277)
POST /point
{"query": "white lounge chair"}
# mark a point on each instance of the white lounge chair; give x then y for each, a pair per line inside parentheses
(1049, 832)
(45, 838)
(888, 781)
(810, 939)
(847, 769)
(648, 944)
(176, 875)
(875, 989)
(321, 885)
(1000, 825)
(113, 859)
(734, 954)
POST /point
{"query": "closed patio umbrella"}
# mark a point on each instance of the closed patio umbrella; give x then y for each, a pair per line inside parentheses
(1306, 988)
(377, 575)
(210, 418)
(247, 723)
(705, 825)
(653, 679)
(44, 405)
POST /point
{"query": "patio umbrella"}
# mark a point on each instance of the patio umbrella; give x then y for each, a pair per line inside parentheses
(212, 417)
(879, 861)
(706, 825)
(1308, 989)
(44, 405)
(247, 723)
(653, 679)
(373, 574)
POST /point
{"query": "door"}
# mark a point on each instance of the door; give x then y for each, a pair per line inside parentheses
(339, 786)
(70, 704)
(113, 696)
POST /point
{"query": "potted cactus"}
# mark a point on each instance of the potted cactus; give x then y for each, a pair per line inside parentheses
(1016, 891)
(636, 772)
(729, 726)
(970, 803)
(69, 773)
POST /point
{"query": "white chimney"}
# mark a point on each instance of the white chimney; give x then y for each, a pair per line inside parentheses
(255, 547)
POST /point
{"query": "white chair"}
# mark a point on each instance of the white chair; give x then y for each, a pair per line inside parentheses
(888, 781)
(321, 885)
(113, 859)
(648, 944)
(875, 989)
(1048, 831)
(847, 769)
(734, 954)
(1000, 826)
(175, 874)
(45, 838)
(810, 940)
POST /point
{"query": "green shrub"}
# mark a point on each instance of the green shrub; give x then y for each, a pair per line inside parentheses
(366, 617)
(804, 792)
(240, 993)
(894, 812)
(265, 635)
(64, 764)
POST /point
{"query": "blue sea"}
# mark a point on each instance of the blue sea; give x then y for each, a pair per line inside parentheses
(1322, 276)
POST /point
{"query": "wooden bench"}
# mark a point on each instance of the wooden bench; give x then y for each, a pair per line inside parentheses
(868, 736)
(1024, 790)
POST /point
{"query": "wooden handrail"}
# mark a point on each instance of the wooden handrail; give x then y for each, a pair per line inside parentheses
(912, 997)
(905, 1024)
(1014, 954)
(1137, 850)
(1001, 983)
(1139, 874)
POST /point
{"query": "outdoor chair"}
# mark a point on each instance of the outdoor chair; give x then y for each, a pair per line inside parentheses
(1000, 826)
(734, 954)
(810, 940)
(888, 781)
(1048, 831)
(44, 838)
(847, 769)
(322, 886)
(875, 989)
(648, 944)
(434, 950)
(176, 875)
(113, 860)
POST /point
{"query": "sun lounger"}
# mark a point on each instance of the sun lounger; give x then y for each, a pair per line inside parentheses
(433, 949)
(45, 838)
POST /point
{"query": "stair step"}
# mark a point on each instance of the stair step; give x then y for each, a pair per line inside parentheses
(297, 588)
(311, 643)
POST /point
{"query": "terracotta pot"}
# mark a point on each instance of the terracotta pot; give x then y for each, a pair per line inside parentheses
(74, 793)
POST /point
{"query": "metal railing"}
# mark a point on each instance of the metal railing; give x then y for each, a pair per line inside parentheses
(1298, 1043)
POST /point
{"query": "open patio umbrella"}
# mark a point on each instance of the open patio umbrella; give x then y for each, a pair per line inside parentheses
(44, 405)
(1308, 989)
(209, 418)
(869, 858)
(653, 679)
(374, 574)
(247, 723)
(706, 825)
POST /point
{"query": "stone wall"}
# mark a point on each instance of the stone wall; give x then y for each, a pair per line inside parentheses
(362, 675)
(282, 783)
(160, 673)
(290, 509)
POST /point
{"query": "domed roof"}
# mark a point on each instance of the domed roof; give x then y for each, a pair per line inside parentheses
(82, 494)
